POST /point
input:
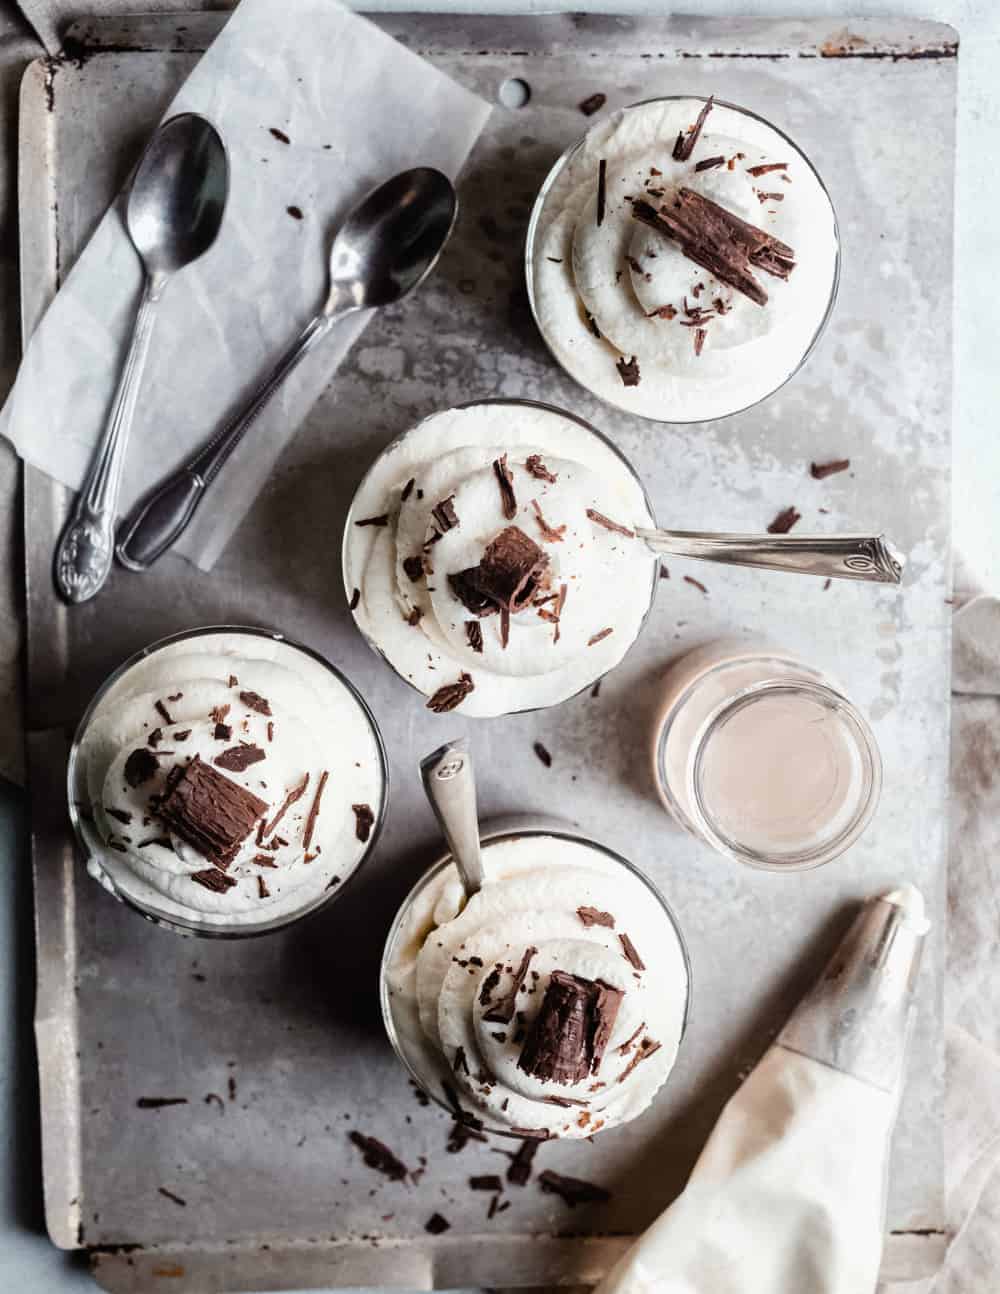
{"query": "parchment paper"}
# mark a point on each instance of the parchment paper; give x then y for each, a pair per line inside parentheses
(356, 107)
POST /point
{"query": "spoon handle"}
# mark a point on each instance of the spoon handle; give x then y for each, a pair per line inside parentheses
(838, 557)
(450, 784)
(85, 550)
(158, 521)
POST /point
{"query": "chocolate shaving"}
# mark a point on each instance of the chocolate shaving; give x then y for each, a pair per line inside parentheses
(155, 737)
(699, 340)
(504, 627)
(663, 312)
(519, 1171)
(377, 1155)
(551, 534)
(555, 615)
(542, 754)
(686, 140)
(140, 766)
(572, 1190)
(784, 521)
(459, 1063)
(414, 616)
(595, 917)
(564, 1102)
(646, 1049)
(690, 579)
(629, 949)
(414, 567)
(569, 1034)
(819, 471)
(218, 713)
(599, 637)
(451, 695)
(463, 585)
(262, 891)
(474, 633)
(313, 814)
(533, 1134)
(381, 520)
(503, 1009)
(254, 701)
(536, 468)
(628, 370)
(211, 812)
(445, 515)
(171, 1196)
(505, 480)
(364, 820)
(710, 163)
(263, 860)
(636, 268)
(720, 306)
(601, 520)
(158, 1102)
(602, 190)
(213, 879)
(238, 758)
(769, 197)
(182, 735)
(592, 325)
(593, 103)
(627, 1045)
(436, 1224)
(355, 599)
(223, 732)
(407, 489)
(163, 841)
(486, 1182)
(279, 135)
(122, 815)
(270, 730)
(296, 793)
(164, 713)
(489, 984)
(767, 168)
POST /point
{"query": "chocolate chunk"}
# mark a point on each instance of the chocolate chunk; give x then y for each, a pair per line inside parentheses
(542, 754)
(503, 1009)
(486, 1182)
(686, 140)
(291, 797)
(595, 917)
(377, 1155)
(407, 489)
(313, 813)
(279, 135)
(238, 758)
(158, 1102)
(572, 1190)
(509, 570)
(505, 480)
(536, 468)
(140, 766)
(364, 820)
(171, 1196)
(211, 812)
(767, 168)
(626, 1046)
(690, 579)
(436, 1224)
(355, 599)
(182, 735)
(122, 815)
(233, 681)
(444, 514)
(628, 370)
(784, 521)
(463, 585)
(646, 1049)
(474, 633)
(414, 567)
(601, 520)
(594, 639)
(381, 520)
(602, 190)
(254, 701)
(155, 737)
(569, 1034)
(551, 534)
(520, 1165)
(262, 891)
(699, 340)
(710, 163)
(163, 712)
(593, 103)
(818, 471)
(451, 695)
(223, 732)
(213, 879)
(629, 949)
(218, 713)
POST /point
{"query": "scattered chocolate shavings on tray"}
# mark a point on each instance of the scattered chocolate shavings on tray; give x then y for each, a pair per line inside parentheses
(542, 754)
(646, 1049)
(414, 567)
(158, 1102)
(686, 140)
(436, 1225)
(784, 521)
(505, 480)
(254, 701)
(689, 579)
(601, 520)
(551, 534)
(451, 695)
(364, 820)
(819, 471)
(536, 468)
(474, 633)
(377, 1155)
(239, 758)
(519, 1171)
(710, 163)
(594, 639)
(503, 1009)
(593, 103)
(140, 766)
(486, 1182)
(314, 808)
(213, 879)
(602, 190)
(279, 135)
(444, 514)
(572, 1190)
(355, 599)
(595, 917)
(381, 520)
(171, 1196)
(163, 712)
(571, 1030)
(629, 949)
(628, 370)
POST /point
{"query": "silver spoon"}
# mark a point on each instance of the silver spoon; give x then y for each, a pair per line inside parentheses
(387, 245)
(173, 212)
(838, 557)
(450, 784)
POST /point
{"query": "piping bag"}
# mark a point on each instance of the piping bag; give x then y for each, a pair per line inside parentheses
(789, 1193)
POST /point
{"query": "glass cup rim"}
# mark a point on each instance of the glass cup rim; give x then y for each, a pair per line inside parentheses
(173, 922)
(805, 859)
(474, 404)
(536, 213)
(495, 837)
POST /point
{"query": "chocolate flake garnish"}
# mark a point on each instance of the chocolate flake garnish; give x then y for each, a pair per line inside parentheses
(531, 1134)
(505, 480)
(296, 793)
(636, 268)
(629, 949)
(520, 1165)
(555, 615)
(223, 732)
(263, 860)
(489, 984)
(436, 1224)
(254, 701)
(364, 820)
(213, 879)
(262, 891)
(233, 681)
(218, 713)
(211, 812)
(593, 103)
(720, 242)
(710, 163)
(122, 815)
(627, 1045)
(504, 627)
(720, 306)
(763, 197)
(355, 599)
(599, 637)
(572, 1190)
(445, 515)
(414, 616)
(313, 814)
(377, 1155)
(663, 312)
(602, 182)
(551, 534)
(595, 917)
(486, 1182)
(646, 1049)
(542, 754)
(407, 489)
(458, 1062)
(381, 520)
(628, 370)
(569, 1034)
(171, 1196)
(687, 140)
(474, 633)
(163, 712)
(664, 571)
(270, 730)
(140, 766)
(155, 737)
(564, 1102)
(451, 695)
(536, 468)
(279, 135)
(767, 168)
(699, 340)
(601, 520)
(158, 1102)
(818, 471)
(414, 567)
(182, 735)
(238, 758)
(826, 584)
(592, 325)
(690, 579)
(463, 585)
(503, 1009)
(163, 841)
(492, 1210)
(784, 521)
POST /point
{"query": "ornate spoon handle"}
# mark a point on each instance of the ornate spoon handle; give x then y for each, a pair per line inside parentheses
(838, 557)
(451, 788)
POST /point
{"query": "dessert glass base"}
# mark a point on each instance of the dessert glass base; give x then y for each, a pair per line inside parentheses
(225, 782)
(464, 984)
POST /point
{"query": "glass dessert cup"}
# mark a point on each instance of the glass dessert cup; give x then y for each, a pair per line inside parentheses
(418, 623)
(329, 830)
(762, 757)
(479, 1079)
(575, 271)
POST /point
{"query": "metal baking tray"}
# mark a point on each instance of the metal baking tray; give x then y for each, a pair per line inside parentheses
(286, 1030)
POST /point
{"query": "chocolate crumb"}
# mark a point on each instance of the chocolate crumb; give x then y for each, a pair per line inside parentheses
(223, 732)
(689, 579)
(593, 103)
(436, 1225)
(818, 471)
(474, 633)
(233, 681)
(313, 814)
(556, 260)
(686, 140)
(171, 1196)
(414, 616)
(279, 135)
(254, 701)
(710, 163)
(542, 754)
(492, 1211)
(631, 953)
(377, 1155)
(599, 637)
(595, 917)
(720, 306)
(414, 567)
(784, 521)
(355, 599)
(140, 766)
(263, 860)
(664, 571)
(182, 735)
(270, 730)
(595, 691)
(451, 695)
(602, 182)
(238, 758)
(601, 520)
(381, 520)
(826, 584)
(572, 1190)
(536, 468)
(628, 370)
(364, 820)
(505, 480)
(294, 212)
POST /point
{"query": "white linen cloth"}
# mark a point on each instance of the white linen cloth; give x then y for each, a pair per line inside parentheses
(314, 111)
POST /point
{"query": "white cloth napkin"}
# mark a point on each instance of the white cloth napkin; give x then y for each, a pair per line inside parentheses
(355, 107)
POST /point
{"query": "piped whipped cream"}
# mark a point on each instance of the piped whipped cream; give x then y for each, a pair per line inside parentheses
(467, 985)
(228, 779)
(625, 308)
(490, 555)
